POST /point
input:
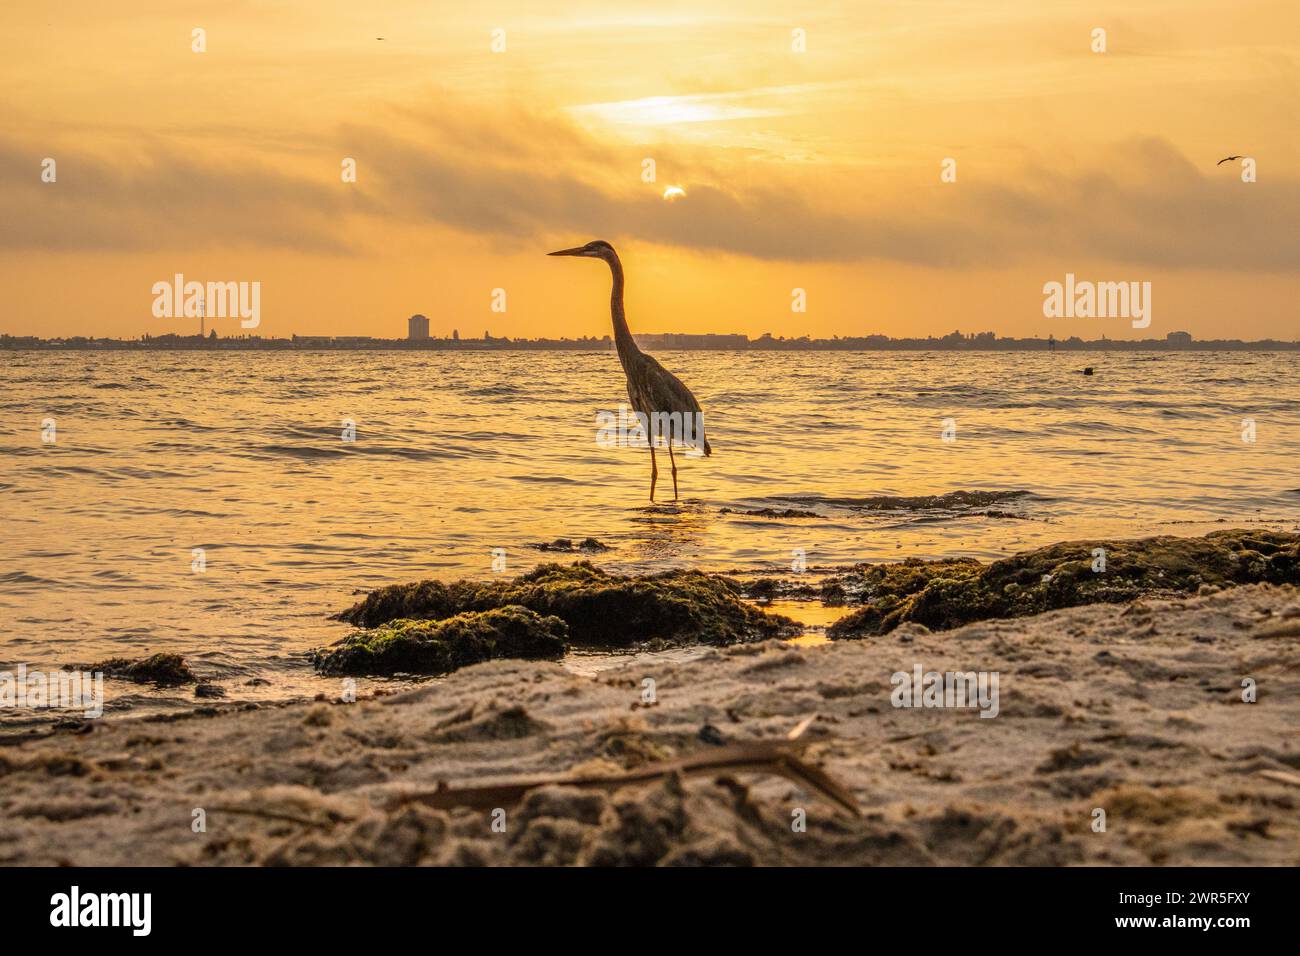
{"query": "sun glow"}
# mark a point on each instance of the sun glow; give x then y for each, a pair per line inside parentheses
(674, 192)
(673, 110)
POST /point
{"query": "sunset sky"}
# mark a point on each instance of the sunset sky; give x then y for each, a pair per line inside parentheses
(818, 169)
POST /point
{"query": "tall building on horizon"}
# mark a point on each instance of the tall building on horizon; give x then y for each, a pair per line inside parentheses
(417, 327)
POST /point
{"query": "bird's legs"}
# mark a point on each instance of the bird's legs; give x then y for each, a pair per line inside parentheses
(673, 462)
(654, 470)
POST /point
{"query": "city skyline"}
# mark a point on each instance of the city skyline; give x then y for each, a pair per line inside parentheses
(419, 339)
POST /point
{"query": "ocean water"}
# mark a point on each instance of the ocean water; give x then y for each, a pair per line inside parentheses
(460, 458)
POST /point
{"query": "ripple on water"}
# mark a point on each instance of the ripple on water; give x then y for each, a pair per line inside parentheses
(460, 454)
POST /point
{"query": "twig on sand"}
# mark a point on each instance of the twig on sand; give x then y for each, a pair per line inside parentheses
(1286, 628)
(780, 757)
(282, 816)
(1281, 776)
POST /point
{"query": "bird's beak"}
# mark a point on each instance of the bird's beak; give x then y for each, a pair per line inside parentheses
(576, 251)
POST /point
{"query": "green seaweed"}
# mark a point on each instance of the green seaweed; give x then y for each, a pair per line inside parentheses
(949, 593)
(600, 609)
(166, 670)
(590, 545)
(439, 647)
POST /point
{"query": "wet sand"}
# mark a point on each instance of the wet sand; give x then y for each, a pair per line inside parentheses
(1132, 709)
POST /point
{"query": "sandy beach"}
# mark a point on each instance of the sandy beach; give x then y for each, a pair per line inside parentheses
(1133, 709)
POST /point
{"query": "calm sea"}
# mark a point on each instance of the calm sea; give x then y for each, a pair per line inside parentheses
(244, 456)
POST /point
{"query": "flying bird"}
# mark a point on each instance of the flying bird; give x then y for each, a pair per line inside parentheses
(1228, 159)
(655, 392)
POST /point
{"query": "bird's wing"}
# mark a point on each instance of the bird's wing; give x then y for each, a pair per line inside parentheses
(662, 391)
(665, 390)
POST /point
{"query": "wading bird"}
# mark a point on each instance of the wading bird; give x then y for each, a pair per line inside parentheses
(670, 409)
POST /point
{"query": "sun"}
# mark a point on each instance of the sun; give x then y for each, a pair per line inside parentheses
(674, 192)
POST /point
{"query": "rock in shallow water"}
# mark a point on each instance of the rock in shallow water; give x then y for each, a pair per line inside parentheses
(952, 592)
(438, 647)
(165, 670)
(588, 545)
(600, 609)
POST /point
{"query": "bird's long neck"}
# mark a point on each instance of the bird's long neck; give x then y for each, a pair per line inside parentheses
(627, 348)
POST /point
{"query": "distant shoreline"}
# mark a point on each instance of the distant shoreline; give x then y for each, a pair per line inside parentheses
(701, 343)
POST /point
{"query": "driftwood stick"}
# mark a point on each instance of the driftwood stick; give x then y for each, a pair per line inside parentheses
(281, 816)
(781, 757)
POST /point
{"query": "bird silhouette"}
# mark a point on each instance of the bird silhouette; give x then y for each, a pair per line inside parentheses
(669, 408)
(1228, 159)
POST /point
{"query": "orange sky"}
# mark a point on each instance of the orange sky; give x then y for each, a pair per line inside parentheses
(817, 169)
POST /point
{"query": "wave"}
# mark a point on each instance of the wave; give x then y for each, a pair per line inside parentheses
(952, 501)
(365, 449)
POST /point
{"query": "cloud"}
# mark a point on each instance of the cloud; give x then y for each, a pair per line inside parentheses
(165, 200)
(521, 178)
(1149, 207)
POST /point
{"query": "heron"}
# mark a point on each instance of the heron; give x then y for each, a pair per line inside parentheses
(658, 396)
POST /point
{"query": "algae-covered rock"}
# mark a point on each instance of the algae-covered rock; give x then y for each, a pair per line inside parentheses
(950, 593)
(886, 591)
(166, 670)
(600, 609)
(438, 647)
(770, 512)
(587, 545)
